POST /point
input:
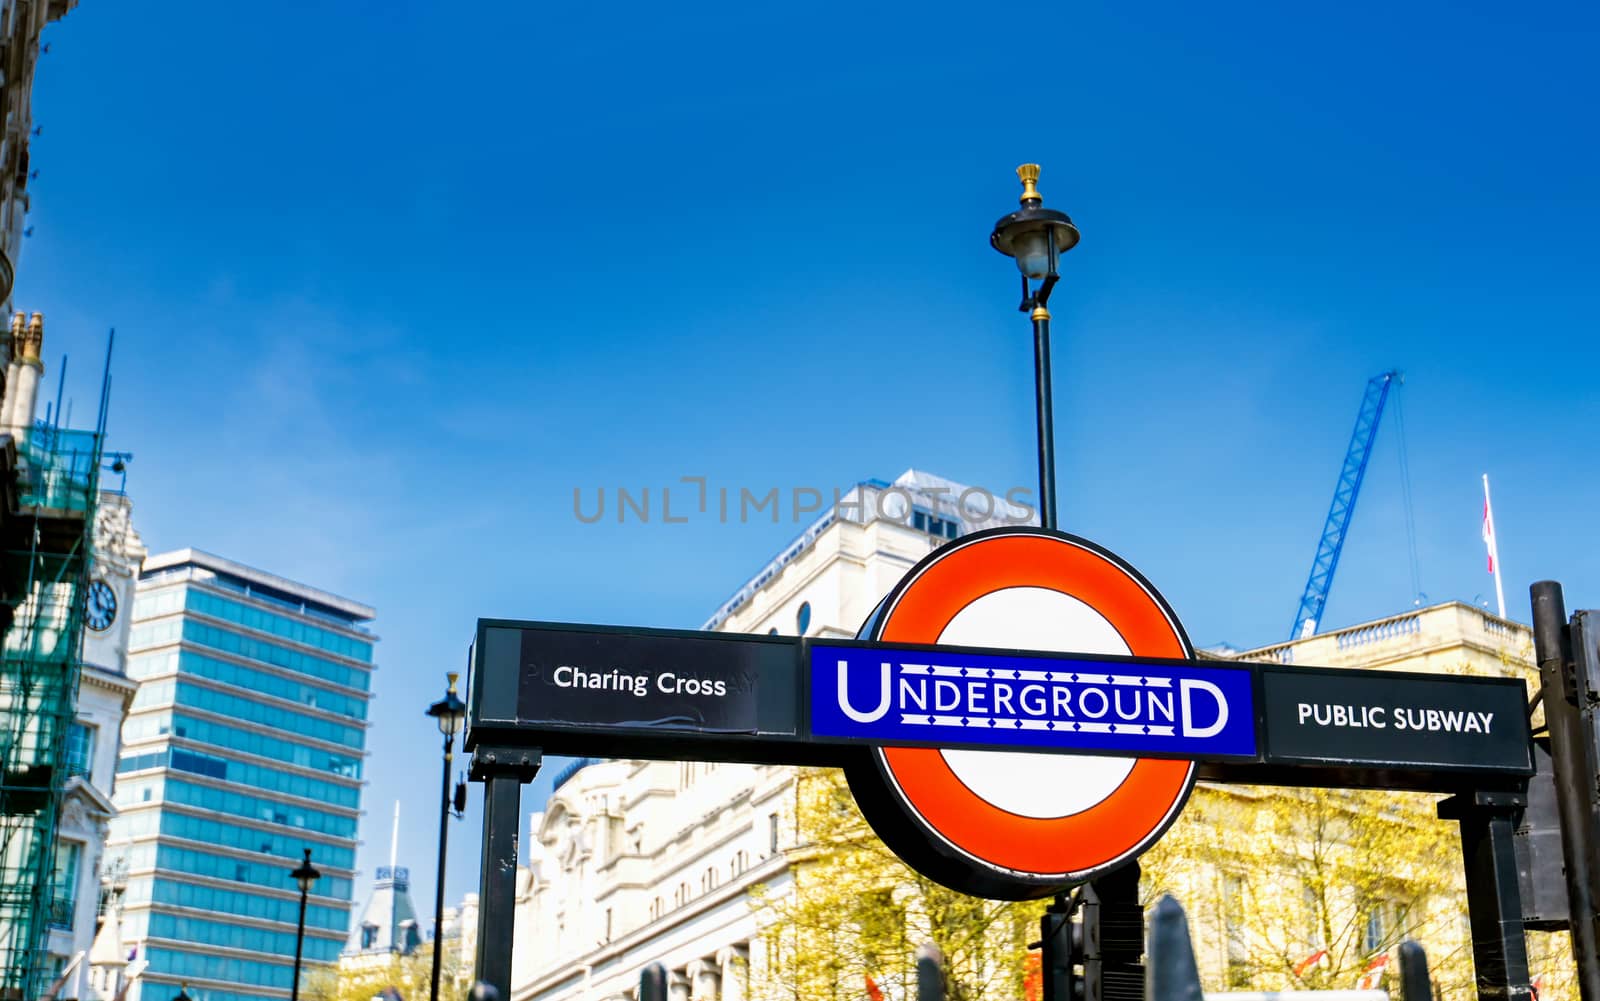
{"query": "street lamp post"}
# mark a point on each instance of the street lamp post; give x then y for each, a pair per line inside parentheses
(450, 713)
(1036, 237)
(305, 875)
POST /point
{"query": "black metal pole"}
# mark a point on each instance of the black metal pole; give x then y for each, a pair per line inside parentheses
(1174, 974)
(438, 891)
(1494, 899)
(1574, 777)
(653, 983)
(299, 943)
(1415, 984)
(1047, 435)
(502, 772)
(930, 973)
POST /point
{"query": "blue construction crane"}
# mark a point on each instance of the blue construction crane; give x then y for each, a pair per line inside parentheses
(1309, 615)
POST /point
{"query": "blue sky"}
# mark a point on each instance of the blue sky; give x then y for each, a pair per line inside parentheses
(392, 280)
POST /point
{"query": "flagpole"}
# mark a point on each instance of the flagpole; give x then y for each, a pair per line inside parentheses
(1494, 547)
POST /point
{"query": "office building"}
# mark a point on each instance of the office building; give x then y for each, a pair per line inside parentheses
(243, 747)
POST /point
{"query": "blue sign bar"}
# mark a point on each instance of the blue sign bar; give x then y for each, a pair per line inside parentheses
(917, 695)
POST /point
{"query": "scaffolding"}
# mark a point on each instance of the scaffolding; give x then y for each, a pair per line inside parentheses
(46, 528)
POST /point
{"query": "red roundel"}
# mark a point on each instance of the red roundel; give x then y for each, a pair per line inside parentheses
(1020, 824)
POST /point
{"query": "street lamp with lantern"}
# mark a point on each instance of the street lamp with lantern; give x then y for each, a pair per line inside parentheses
(451, 714)
(306, 875)
(183, 993)
(1036, 237)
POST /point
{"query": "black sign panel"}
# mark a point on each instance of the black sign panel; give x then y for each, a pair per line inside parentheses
(639, 681)
(1318, 715)
(680, 694)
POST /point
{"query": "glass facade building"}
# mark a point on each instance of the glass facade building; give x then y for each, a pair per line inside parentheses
(243, 747)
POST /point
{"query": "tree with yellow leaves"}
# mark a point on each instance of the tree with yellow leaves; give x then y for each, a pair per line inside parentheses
(364, 977)
(1286, 889)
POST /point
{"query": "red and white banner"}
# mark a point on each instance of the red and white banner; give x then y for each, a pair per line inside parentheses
(1373, 974)
(1302, 967)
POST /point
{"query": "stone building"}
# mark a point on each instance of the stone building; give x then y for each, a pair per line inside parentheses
(21, 23)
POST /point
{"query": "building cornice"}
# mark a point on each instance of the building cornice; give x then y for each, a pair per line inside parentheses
(111, 681)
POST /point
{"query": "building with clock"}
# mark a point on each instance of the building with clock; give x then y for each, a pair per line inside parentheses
(105, 693)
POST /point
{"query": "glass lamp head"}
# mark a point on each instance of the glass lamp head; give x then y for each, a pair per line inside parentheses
(307, 874)
(449, 712)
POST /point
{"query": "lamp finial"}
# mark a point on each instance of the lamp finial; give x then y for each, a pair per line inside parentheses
(1029, 173)
(453, 675)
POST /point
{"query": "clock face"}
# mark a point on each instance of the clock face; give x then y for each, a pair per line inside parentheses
(102, 609)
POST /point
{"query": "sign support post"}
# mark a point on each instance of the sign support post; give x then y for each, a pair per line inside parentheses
(1494, 899)
(1565, 690)
(503, 772)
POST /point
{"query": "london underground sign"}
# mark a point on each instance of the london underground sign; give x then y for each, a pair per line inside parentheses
(1022, 712)
(1006, 823)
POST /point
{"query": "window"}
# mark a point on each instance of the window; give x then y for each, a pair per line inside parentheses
(802, 618)
(1233, 915)
(1377, 928)
(64, 884)
(772, 833)
(80, 749)
(944, 528)
(369, 936)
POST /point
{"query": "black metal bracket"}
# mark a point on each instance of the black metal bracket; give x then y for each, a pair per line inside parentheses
(1461, 805)
(498, 761)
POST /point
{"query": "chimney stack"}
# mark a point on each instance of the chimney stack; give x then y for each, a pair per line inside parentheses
(16, 343)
